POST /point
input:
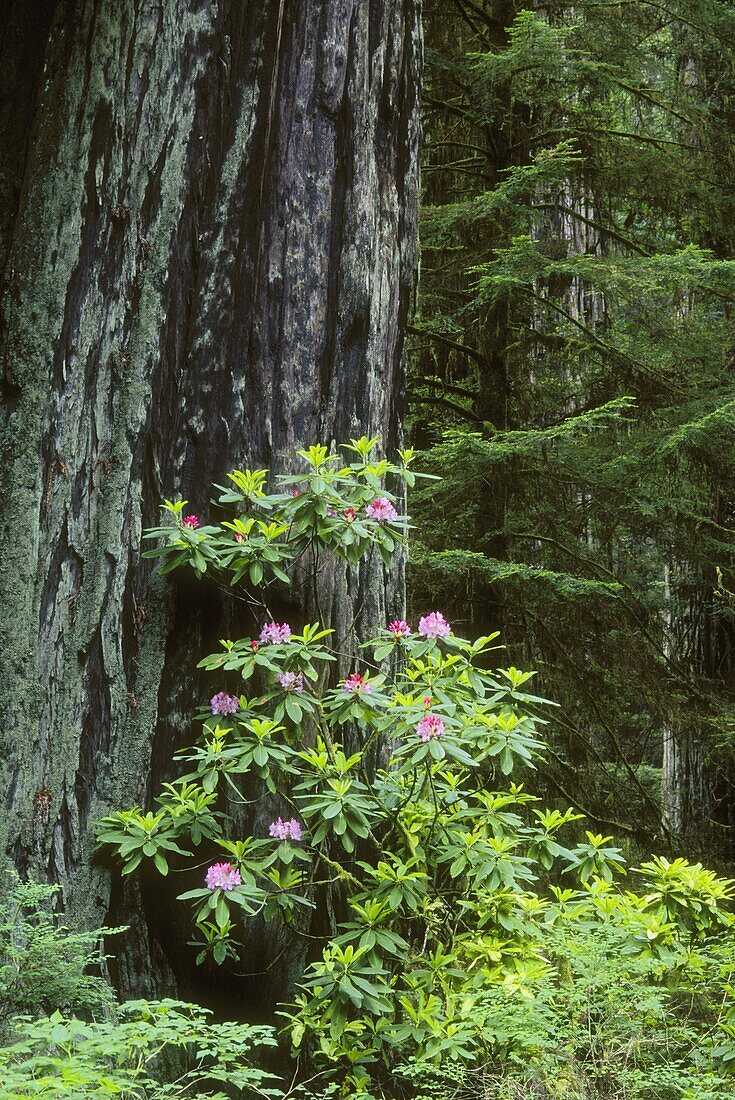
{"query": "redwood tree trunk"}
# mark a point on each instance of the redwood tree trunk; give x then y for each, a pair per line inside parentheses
(209, 249)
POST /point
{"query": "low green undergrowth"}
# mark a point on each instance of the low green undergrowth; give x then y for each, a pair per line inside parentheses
(62, 1057)
(44, 965)
(480, 944)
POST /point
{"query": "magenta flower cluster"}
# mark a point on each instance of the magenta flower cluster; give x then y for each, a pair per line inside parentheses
(224, 704)
(291, 681)
(357, 683)
(400, 628)
(275, 632)
(192, 522)
(223, 876)
(430, 726)
(381, 509)
(285, 830)
(434, 625)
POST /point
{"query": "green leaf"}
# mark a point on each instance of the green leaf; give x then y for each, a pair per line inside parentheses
(293, 709)
(222, 912)
(506, 761)
(161, 864)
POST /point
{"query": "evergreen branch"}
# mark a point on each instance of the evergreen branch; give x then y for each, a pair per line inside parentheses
(443, 105)
(642, 93)
(461, 5)
(640, 618)
(449, 144)
(601, 345)
(645, 139)
(477, 10)
(457, 167)
(583, 682)
(450, 387)
(454, 405)
(575, 803)
(675, 17)
(471, 353)
(608, 232)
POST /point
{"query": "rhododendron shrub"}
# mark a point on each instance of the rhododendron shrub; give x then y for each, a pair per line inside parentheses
(446, 878)
(341, 508)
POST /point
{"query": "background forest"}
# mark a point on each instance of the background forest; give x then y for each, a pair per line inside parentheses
(572, 377)
(437, 887)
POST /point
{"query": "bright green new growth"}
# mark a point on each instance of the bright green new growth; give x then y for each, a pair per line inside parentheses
(459, 901)
(307, 513)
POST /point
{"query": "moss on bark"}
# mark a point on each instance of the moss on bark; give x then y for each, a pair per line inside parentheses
(210, 260)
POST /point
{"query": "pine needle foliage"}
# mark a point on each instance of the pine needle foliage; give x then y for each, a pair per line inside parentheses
(572, 379)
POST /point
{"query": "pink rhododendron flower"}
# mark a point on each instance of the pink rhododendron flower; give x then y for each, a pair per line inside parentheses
(239, 537)
(400, 628)
(430, 726)
(434, 625)
(192, 522)
(224, 704)
(255, 645)
(349, 514)
(285, 830)
(427, 702)
(223, 876)
(275, 632)
(357, 683)
(381, 509)
(291, 681)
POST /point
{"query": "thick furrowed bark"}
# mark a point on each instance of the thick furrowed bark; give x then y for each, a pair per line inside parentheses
(211, 255)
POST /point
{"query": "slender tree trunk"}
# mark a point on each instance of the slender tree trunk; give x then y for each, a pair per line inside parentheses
(671, 777)
(209, 247)
(686, 798)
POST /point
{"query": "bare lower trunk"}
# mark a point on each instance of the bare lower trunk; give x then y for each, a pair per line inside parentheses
(671, 807)
(211, 253)
(685, 798)
(684, 795)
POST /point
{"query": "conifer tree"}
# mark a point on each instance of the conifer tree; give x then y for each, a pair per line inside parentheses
(208, 251)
